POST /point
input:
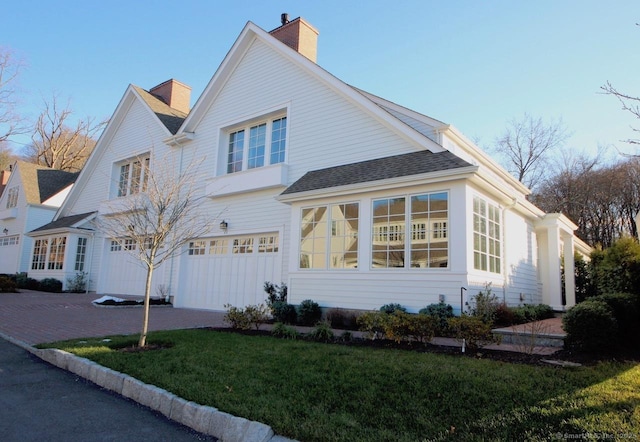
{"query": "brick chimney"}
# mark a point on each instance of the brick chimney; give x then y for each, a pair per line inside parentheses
(298, 35)
(4, 179)
(175, 94)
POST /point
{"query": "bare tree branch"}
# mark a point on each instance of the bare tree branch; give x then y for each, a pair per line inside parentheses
(526, 146)
(158, 218)
(629, 103)
(10, 122)
(56, 144)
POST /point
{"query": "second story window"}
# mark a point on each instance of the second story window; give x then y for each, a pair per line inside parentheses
(12, 197)
(133, 176)
(257, 145)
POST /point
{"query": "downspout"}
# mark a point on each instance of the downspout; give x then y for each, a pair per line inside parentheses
(504, 248)
(93, 235)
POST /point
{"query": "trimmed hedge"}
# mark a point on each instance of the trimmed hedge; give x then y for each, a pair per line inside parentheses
(590, 326)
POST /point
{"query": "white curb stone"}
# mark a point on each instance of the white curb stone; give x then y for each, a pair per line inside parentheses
(202, 418)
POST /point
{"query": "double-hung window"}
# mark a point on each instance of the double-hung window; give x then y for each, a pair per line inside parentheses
(12, 197)
(133, 176)
(257, 145)
(486, 236)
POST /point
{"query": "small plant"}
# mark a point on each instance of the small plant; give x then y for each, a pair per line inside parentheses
(283, 312)
(7, 285)
(256, 315)
(372, 324)
(281, 330)
(485, 305)
(441, 311)
(346, 336)
(526, 337)
(472, 330)
(275, 293)
(50, 285)
(309, 312)
(236, 318)
(393, 307)
(78, 283)
(163, 291)
(322, 332)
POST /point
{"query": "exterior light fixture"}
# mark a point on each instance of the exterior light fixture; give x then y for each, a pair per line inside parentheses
(224, 226)
(5, 231)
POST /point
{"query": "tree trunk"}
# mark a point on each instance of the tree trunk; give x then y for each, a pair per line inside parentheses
(147, 298)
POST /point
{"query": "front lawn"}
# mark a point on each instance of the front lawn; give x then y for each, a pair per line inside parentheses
(319, 392)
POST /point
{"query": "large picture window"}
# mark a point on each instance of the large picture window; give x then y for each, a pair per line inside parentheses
(329, 237)
(411, 232)
(486, 236)
(56, 253)
(253, 145)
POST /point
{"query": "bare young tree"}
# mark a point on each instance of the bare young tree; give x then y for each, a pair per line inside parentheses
(157, 218)
(57, 144)
(526, 146)
(10, 122)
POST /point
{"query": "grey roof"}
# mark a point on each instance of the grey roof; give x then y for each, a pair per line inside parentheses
(170, 117)
(41, 183)
(67, 221)
(415, 163)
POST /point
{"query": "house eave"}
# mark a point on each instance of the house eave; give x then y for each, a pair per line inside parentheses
(373, 186)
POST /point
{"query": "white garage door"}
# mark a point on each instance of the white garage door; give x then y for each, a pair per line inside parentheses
(123, 274)
(229, 270)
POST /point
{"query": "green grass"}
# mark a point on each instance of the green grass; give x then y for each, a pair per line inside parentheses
(318, 392)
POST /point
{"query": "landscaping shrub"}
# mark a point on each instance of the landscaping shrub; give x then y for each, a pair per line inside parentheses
(7, 285)
(506, 316)
(391, 308)
(275, 293)
(626, 311)
(473, 330)
(322, 332)
(50, 285)
(342, 319)
(236, 318)
(25, 282)
(283, 312)
(590, 325)
(442, 312)
(309, 312)
(243, 319)
(256, 315)
(485, 304)
(281, 330)
(372, 324)
(78, 283)
(617, 269)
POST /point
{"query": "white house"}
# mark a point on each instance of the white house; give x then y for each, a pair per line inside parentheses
(31, 197)
(352, 200)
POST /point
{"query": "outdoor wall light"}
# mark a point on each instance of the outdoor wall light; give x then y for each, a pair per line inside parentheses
(224, 226)
(5, 231)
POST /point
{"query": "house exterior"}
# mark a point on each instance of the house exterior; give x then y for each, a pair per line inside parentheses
(31, 197)
(350, 199)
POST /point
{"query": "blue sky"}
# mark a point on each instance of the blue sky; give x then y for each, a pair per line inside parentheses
(474, 64)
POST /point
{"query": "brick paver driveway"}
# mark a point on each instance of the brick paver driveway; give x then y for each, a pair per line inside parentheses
(39, 317)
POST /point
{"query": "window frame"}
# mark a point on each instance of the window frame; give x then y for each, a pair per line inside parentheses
(81, 254)
(404, 232)
(12, 197)
(487, 236)
(247, 148)
(132, 175)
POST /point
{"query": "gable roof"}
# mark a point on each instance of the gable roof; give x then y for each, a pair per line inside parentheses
(40, 183)
(72, 221)
(415, 163)
(170, 117)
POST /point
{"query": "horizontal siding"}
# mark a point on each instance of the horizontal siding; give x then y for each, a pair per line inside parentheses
(371, 290)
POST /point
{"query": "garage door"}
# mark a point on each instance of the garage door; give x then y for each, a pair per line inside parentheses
(123, 273)
(229, 270)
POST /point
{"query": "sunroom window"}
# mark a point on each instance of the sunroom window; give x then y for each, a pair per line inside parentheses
(133, 175)
(486, 236)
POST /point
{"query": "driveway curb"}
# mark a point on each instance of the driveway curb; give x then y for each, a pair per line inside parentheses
(202, 418)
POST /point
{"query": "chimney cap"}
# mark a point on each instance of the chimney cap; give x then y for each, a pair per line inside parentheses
(284, 18)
